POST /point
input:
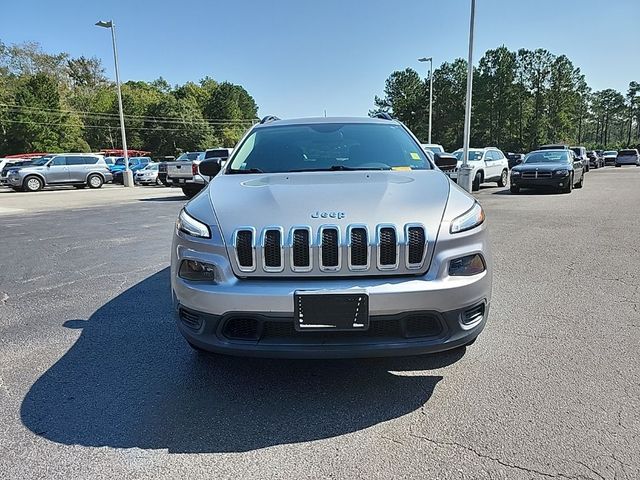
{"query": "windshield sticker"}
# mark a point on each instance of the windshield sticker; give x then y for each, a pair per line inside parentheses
(401, 169)
(415, 156)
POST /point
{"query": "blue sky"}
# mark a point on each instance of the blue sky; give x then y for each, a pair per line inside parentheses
(298, 58)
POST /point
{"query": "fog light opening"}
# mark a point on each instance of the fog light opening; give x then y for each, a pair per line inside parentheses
(195, 271)
(467, 266)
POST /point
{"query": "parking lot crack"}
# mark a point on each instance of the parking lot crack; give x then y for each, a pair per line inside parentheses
(595, 472)
(3, 298)
(479, 454)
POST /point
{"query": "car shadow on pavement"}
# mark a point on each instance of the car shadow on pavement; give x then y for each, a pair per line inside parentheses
(130, 380)
(176, 198)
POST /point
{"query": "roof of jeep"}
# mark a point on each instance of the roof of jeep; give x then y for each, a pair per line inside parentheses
(320, 120)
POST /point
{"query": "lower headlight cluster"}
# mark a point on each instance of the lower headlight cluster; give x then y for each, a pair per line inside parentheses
(197, 271)
(467, 266)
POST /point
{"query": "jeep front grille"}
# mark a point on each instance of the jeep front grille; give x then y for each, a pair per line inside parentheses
(389, 250)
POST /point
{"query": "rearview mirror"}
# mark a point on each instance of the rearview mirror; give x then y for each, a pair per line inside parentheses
(210, 167)
(445, 161)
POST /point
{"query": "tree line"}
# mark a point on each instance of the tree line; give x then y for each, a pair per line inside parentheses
(520, 100)
(55, 103)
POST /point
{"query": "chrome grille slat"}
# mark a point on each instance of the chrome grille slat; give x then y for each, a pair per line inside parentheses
(389, 249)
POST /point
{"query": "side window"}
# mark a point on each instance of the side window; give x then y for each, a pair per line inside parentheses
(75, 160)
(498, 154)
(90, 160)
(59, 161)
(488, 155)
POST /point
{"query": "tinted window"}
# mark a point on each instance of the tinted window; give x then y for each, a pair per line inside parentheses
(473, 155)
(330, 146)
(59, 161)
(627, 152)
(218, 153)
(75, 160)
(552, 156)
(90, 160)
(188, 157)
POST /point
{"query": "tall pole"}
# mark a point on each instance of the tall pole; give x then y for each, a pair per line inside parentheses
(127, 172)
(430, 95)
(464, 173)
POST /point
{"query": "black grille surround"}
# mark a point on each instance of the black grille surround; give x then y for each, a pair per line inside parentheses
(301, 249)
(357, 250)
(416, 244)
(244, 249)
(272, 248)
(330, 249)
(387, 247)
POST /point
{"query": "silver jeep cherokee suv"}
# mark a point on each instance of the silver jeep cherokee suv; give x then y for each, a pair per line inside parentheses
(330, 237)
(77, 169)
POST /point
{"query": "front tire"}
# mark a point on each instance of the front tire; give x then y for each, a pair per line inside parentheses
(504, 178)
(514, 189)
(618, 165)
(189, 192)
(95, 181)
(569, 187)
(32, 184)
(581, 182)
(475, 186)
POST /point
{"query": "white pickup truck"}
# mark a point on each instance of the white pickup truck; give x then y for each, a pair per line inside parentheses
(184, 171)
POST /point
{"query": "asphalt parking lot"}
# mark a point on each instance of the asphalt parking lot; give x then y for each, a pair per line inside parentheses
(96, 382)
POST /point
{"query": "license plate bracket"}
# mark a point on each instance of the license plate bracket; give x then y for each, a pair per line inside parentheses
(331, 311)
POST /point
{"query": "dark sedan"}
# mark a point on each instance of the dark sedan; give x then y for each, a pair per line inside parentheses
(558, 169)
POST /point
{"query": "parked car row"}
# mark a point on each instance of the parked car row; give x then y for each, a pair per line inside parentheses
(184, 171)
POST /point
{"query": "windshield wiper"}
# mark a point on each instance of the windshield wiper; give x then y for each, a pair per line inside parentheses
(341, 168)
(248, 170)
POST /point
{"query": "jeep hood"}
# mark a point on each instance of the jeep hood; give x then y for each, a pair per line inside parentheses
(329, 198)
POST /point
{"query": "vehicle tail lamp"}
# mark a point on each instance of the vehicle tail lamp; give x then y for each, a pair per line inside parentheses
(196, 271)
(467, 266)
(194, 169)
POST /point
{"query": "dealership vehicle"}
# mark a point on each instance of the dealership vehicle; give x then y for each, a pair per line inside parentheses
(488, 164)
(628, 157)
(135, 164)
(581, 154)
(180, 174)
(433, 147)
(514, 159)
(147, 175)
(559, 169)
(8, 164)
(595, 160)
(610, 157)
(77, 169)
(279, 257)
(188, 176)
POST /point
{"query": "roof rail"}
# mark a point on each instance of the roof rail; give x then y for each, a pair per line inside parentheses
(269, 118)
(383, 116)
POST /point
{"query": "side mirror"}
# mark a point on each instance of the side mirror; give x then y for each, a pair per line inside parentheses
(210, 167)
(445, 161)
(518, 161)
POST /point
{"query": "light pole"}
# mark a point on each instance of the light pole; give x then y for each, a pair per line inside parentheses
(430, 60)
(464, 173)
(127, 175)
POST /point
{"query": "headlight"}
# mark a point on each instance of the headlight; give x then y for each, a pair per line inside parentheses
(515, 173)
(189, 225)
(561, 173)
(468, 220)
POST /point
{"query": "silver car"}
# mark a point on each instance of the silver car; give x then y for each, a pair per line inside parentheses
(77, 169)
(330, 238)
(148, 175)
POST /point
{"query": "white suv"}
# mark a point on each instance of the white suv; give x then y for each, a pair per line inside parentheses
(489, 165)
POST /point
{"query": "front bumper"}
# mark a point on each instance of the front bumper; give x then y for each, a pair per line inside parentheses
(435, 304)
(551, 182)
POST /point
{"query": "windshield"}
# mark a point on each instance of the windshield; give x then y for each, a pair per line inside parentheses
(41, 161)
(190, 156)
(151, 166)
(329, 146)
(551, 156)
(120, 161)
(610, 152)
(473, 155)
